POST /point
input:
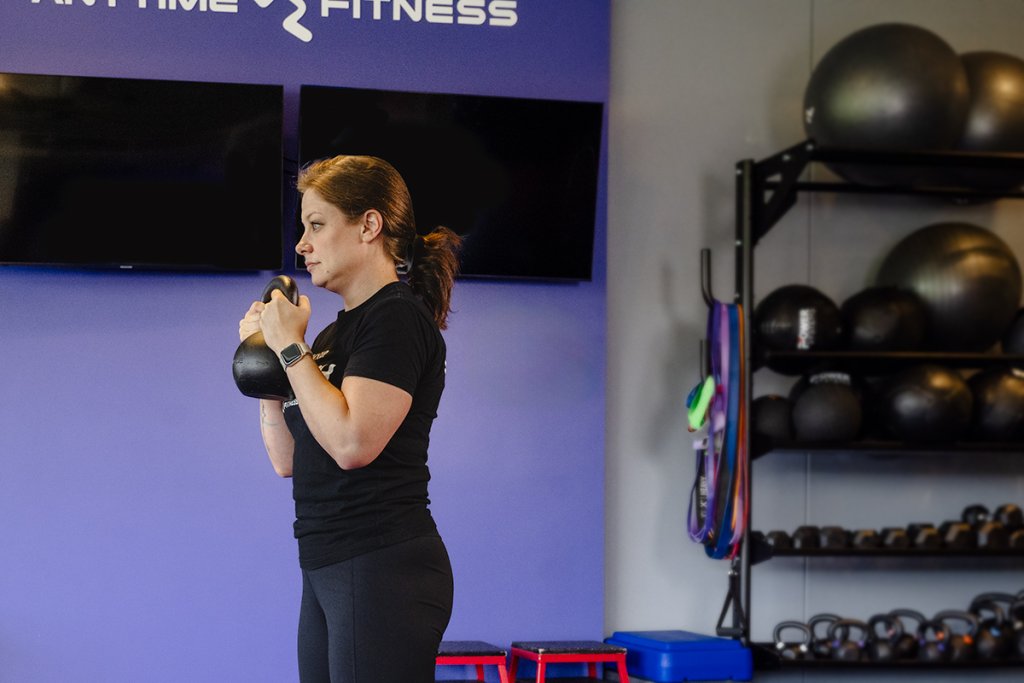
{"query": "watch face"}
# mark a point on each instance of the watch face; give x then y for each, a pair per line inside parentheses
(291, 353)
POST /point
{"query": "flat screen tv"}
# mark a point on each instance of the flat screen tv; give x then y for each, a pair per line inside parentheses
(99, 172)
(516, 177)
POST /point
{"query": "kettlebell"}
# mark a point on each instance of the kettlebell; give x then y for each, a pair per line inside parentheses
(821, 646)
(799, 649)
(962, 644)
(1016, 614)
(256, 368)
(933, 641)
(906, 644)
(993, 639)
(846, 648)
(882, 645)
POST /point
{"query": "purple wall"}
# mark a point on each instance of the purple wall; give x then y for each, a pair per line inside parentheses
(145, 536)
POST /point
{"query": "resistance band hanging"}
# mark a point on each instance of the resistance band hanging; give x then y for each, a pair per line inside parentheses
(718, 508)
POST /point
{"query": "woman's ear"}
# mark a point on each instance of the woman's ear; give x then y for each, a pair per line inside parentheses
(373, 223)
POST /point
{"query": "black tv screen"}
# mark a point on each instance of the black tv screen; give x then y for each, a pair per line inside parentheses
(140, 173)
(516, 177)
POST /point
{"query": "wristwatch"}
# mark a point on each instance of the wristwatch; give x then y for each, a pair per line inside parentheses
(293, 353)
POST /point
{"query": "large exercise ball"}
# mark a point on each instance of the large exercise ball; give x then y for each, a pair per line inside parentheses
(891, 85)
(967, 276)
(796, 317)
(998, 398)
(995, 116)
(924, 402)
(884, 319)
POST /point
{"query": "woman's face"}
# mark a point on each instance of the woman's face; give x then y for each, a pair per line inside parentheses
(330, 242)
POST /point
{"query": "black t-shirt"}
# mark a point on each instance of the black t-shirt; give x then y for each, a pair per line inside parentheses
(391, 337)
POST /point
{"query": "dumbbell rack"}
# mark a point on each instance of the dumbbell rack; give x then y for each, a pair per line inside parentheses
(765, 191)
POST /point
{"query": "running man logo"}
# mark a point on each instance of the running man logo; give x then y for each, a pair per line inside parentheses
(497, 13)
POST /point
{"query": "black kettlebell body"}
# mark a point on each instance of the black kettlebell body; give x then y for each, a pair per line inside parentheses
(961, 645)
(882, 644)
(800, 649)
(821, 646)
(256, 368)
(993, 639)
(906, 644)
(845, 647)
(1017, 623)
(933, 641)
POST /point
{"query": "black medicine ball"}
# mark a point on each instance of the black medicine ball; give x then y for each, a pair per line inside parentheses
(998, 395)
(797, 318)
(771, 417)
(926, 403)
(826, 407)
(884, 319)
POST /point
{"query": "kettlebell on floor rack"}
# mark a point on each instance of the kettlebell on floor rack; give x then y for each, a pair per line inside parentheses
(882, 645)
(844, 647)
(1016, 617)
(792, 650)
(821, 646)
(256, 368)
(933, 641)
(993, 630)
(961, 646)
(906, 644)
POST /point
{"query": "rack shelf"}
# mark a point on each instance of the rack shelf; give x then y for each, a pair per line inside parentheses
(765, 191)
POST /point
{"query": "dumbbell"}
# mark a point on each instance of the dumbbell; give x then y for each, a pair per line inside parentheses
(257, 370)
(806, 537)
(924, 535)
(991, 531)
(1010, 516)
(958, 535)
(895, 537)
(798, 649)
(866, 539)
(779, 540)
(834, 537)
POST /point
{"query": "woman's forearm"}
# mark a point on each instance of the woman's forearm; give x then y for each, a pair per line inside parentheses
(276, 437)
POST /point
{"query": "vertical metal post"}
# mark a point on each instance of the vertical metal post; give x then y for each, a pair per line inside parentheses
(745, 212)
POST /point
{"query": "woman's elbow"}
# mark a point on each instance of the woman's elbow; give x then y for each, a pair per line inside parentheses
(351, 456)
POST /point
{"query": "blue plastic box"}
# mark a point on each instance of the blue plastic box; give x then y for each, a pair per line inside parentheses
(674, 656)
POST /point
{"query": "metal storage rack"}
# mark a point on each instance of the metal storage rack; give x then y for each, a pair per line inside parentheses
(765, 191)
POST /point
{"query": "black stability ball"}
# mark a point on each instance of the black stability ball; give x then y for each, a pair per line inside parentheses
(890, 85)
(998, 395)
(924, 402)
(771, 417)
(796, 318)
(884, 319)
(826, 407)
(968, 278)
(995, 116)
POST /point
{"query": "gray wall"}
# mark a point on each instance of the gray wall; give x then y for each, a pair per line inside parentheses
(697, 86)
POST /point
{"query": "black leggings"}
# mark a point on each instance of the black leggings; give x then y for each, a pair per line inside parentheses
(377, 618)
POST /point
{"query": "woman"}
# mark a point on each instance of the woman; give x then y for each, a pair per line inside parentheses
(376, 580)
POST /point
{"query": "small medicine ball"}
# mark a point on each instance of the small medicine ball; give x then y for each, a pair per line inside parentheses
(826, 407)
(968, 278)
(890, 85)
(998, 395)
(884, 319)
(771, 415)
(796, 318)
(924, 402)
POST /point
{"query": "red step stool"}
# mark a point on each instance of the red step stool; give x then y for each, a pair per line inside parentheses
(590, 652)
(473, 653)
